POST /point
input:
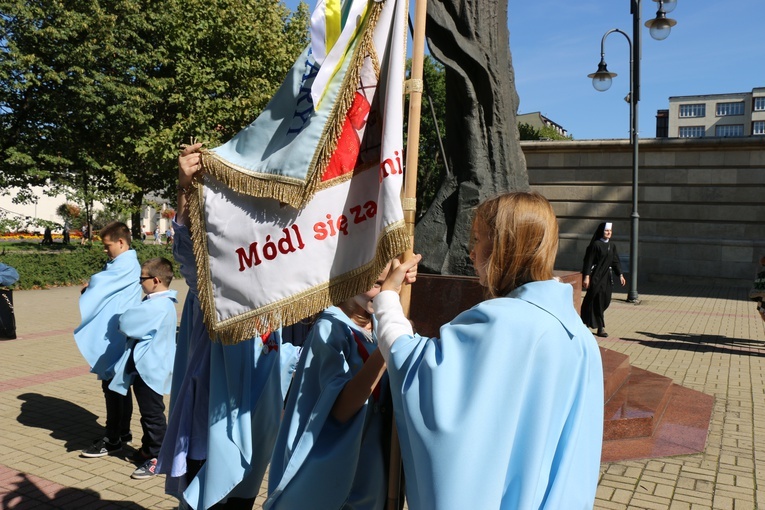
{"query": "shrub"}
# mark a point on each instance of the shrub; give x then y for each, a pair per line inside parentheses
(70, 265)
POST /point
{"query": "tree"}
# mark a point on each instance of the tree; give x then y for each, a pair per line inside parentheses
(529, 132)
(227, 59)
(96, 96)
(61, 73)
(71, 214)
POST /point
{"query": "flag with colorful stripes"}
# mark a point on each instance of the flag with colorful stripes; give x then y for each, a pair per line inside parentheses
(302, 208)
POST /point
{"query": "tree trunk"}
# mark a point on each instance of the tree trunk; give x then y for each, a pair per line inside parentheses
(135, 215)
(471, 39)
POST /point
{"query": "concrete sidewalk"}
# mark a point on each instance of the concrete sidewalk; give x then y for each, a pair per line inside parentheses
(707, 339)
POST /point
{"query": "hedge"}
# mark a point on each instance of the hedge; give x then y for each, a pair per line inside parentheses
(60, 265)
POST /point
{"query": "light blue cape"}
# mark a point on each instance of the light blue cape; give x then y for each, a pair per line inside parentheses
(225, 404)
(8, 275)
(150, 329)
(505, 409)
(317, 461)
(108, 295)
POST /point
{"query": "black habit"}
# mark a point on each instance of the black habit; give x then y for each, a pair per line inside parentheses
(601, 262)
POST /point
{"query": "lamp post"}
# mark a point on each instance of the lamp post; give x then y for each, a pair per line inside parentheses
(659, 28)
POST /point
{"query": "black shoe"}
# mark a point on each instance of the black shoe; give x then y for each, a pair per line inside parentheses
(101, 448)
(126, 438)
(602, 334)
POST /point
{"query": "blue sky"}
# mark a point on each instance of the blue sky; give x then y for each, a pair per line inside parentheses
(716, 47)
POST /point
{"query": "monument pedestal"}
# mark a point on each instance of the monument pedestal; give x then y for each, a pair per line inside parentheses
(645, 414)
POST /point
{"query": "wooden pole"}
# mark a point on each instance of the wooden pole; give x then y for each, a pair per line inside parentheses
(413, 87)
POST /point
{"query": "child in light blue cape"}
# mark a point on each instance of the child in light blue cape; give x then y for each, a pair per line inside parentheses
(505, 409)
(150, 330)
(106, 296)
(147, 363)
(333, 443)
(226, 400)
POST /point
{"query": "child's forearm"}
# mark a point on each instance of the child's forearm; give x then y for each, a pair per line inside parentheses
(357, 391)
(391, 321)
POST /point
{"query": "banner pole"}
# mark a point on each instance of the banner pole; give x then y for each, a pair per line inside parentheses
(413, 87)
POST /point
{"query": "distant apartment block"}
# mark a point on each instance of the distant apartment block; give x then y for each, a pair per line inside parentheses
(538, 121)
(713, 115)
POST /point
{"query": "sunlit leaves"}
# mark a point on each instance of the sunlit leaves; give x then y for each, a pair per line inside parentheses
(95, 96)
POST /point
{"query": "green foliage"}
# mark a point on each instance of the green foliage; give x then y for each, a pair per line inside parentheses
(71, 214)
(10, 223)
(528, 132)
(106, 216)
(60, 265)
(95, 96)
(226, 59)
(430, 165)
(13, 223)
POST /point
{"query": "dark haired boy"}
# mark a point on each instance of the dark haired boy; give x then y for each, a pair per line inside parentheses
(104, 298)
(147, 363)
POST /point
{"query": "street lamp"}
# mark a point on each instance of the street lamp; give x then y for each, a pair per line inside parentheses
(659, 29)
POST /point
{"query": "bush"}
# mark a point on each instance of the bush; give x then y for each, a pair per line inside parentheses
(70, 265)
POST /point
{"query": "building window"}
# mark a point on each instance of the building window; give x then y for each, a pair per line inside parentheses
(759, 104)
(726, 109)
(693, 110)
(729, 130)
(758, 127)
(691, 132)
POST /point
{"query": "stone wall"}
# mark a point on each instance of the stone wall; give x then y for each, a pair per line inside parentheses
(701, 203)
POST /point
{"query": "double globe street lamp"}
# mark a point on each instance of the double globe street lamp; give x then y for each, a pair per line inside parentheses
(659, 28)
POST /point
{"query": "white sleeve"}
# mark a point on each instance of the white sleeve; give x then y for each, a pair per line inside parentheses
(391, 321)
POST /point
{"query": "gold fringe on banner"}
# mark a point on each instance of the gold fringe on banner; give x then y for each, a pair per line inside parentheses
(195, 203)
(393, 242)
(297, 192)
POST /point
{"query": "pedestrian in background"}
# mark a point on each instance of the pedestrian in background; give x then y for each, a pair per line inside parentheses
(47, 236)
(601, 263)
(85, 234)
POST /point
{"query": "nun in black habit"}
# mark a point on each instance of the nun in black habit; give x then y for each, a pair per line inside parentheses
(601, 262)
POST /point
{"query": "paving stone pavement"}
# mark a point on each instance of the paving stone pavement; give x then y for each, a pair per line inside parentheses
(708, 339)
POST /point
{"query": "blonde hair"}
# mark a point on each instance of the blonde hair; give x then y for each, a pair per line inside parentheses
(523, 232)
